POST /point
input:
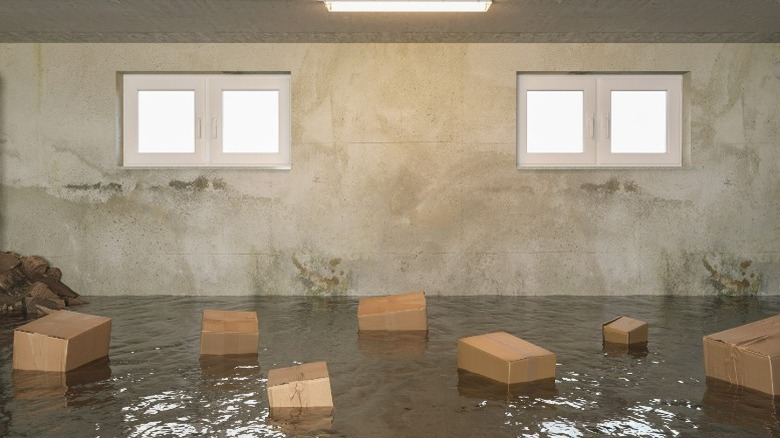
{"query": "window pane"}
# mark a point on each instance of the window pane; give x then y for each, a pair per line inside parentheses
(166, 122)
(250, 121)
(554, 122)
(638, 124)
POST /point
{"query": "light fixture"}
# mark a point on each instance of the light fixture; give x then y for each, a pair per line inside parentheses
(407, 5)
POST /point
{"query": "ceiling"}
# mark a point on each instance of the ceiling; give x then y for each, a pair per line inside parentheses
(663, 21)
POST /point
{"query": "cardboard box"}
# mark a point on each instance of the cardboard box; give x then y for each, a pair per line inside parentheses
(302, 386)
(624, 330)
(302, 421)
(27, 384)
(393, 312)
(61, 341)
(747, 355)
(732, 405)
(505, 358)
(476, 386)
(226, 332)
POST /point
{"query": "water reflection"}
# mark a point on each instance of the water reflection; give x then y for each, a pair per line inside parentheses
(298, 421)
(615, 350)
(397, 386)
(475, 386)
(221, 370)
(738, 406)
(54, 390)
(397, 345)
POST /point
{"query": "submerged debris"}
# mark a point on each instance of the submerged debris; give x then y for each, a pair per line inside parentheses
(28, 284)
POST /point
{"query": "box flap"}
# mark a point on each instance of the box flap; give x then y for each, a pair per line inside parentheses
(505, 346)
(760, 337)
(307, 371)
(229, 321)
(63, 324)
(625, 324)
(391, 303)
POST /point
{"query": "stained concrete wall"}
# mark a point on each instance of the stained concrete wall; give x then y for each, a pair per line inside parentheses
(403, 177)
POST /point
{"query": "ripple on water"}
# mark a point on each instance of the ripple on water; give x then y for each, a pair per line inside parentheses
(157, 384)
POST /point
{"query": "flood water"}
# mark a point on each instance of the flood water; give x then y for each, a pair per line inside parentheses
(155, 383)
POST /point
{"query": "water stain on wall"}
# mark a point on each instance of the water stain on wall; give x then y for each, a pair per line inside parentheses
(322, 277)
(611, 186)
(199, 184)
(100, 187)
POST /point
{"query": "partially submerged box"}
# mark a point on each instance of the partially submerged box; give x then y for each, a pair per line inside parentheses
(393, 312)
(624, 330)
(226, 332)
(747, 355)
(395, 345)
(305, 386)
(39, 385)
(505, 358)
(61, 341)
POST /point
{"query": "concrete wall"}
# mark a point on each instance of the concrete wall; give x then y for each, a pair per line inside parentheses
(403, 177)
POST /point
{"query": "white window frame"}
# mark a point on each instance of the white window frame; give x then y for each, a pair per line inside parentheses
(207, 119)
(597, 90)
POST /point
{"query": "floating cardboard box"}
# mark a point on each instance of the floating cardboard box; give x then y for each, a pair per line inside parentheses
(302, 421)
(624, 330)
(227, 332)
(747, 355)
(61, 341)
(505, 358)
(476, 386)
(304, 386)
(29, 385)
(729, 404)
(393, 312)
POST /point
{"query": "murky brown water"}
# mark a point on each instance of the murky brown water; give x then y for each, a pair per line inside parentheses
(156, 384)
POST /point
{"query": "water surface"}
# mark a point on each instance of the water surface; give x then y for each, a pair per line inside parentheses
(155, 383)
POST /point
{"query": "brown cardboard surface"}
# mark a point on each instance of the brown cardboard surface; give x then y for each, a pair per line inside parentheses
(624, 330)
(301, 386)
(747, 355)
(636, 351)
(505, 358)
(729, 404)
(61, 341)
(476, 386)
(301, 421)
(403, 312)
(228, 332)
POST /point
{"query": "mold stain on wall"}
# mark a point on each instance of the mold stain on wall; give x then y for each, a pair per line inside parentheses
(403, 166)
(321, 277)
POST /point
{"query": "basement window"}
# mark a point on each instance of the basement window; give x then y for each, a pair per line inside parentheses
(604, 120)
(202, 120)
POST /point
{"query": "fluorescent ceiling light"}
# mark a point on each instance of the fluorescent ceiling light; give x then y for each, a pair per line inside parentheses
(407, 5)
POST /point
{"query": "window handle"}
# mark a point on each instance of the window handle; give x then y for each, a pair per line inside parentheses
(605, 126)
(214, 126)
(590, 125)
(199, 128)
